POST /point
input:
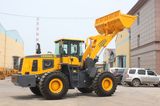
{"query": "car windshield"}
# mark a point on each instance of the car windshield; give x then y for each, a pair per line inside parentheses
(121, 71)
(113, 70)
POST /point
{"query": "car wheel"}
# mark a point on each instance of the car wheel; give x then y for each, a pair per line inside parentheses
(156, 85)
(136, 83)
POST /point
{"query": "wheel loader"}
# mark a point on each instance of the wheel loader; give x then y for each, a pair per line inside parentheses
(51, 75)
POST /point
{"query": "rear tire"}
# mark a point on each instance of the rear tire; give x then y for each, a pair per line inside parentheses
(36, 91)
(136, 83)
(104, 84)
(85, 90)
(156, 85)
(54, 85)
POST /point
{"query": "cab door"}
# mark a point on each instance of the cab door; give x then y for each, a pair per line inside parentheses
(75, 53)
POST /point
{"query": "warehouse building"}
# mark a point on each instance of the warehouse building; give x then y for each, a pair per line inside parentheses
(145, 35)
(11, 48)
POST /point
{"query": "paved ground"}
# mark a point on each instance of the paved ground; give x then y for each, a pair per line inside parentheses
(11, 95)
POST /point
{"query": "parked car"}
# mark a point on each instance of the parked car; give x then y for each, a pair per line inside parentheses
(118, 73)
(140, 76)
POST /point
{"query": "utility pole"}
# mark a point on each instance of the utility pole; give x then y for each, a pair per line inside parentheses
(38, 48)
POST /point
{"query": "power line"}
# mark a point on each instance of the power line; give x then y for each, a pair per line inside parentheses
(28, 16)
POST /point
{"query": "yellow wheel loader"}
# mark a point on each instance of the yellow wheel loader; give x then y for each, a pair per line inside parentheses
(51, 75)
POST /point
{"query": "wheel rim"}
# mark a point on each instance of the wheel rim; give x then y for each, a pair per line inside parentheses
(55, 85)
(136, 83)
(107, 84)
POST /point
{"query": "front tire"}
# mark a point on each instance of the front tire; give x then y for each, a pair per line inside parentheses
(36, 91)
(54, 85)
(104, 84)
(136, 83)
(85, 90)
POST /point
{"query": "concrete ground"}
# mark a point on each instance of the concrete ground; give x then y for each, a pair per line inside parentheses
(11, 95)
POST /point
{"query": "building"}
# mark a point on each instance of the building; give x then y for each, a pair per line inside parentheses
(109, 58)
(123, 49)
(145, 35)
(11, 48)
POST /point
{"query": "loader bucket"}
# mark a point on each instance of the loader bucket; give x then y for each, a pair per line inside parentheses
(114, 22)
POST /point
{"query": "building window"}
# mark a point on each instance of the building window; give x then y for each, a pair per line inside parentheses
(138, 18)
(15, 62)
(121, 61)
(138, 40)
(111, 59)
(139, 62)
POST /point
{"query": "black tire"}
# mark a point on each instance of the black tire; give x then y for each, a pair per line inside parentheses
(44, 85)
(36, 91)
(85, 90)
(97, 84)
(136, 83)
(156, 85)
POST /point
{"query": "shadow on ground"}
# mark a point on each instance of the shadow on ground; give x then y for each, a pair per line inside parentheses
(141, 86)
(27, 97)
(68, 96)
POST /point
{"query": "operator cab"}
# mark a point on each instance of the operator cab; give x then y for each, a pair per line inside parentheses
(69, 47)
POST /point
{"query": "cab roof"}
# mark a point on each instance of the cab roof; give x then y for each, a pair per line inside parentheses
(67, 39)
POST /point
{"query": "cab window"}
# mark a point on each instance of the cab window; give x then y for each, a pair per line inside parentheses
(65, 49)
(81, 48)
(57, 49)
(74, 49)
(47, 64)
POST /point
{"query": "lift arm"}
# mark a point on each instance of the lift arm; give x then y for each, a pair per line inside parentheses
(108, 27)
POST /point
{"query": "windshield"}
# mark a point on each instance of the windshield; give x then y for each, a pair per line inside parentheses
(74, 49)
(121, 71)
(57, 49)
(81, 48)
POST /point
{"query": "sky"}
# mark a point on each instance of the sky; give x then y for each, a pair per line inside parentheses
(58, 19)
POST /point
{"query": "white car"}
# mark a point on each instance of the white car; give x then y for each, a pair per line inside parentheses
(115, 69)
(139, 76)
